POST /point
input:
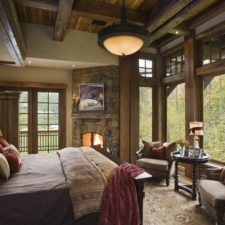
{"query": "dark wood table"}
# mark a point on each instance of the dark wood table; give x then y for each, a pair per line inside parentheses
(196, 172)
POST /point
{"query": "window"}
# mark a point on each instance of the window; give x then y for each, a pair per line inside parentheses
(175, 112)
(41, 119)
(175, 64)
(214, 117)
(213, 49)
(145, 116)
(48, 121)
(23, 122)
(145, 67)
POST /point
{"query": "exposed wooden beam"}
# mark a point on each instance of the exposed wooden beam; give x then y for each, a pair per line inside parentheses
(107, 12)
(211, 69)
(175, 79)
(62, 20)
(186, 13)
(212, 31)
(165, 11)
(212, 12)
(50, 5)
(11, 32)
(86, 8)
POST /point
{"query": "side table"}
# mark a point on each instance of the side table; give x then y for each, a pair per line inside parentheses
(196, 172)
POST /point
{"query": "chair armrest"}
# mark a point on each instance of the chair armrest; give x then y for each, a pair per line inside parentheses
(213, 173)
(139, 153)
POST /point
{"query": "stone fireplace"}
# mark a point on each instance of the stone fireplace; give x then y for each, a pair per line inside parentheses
(101, 124)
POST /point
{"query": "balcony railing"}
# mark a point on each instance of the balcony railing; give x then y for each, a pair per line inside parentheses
(47, 141)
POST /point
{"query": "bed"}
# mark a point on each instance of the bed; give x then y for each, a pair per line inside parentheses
(39, 193)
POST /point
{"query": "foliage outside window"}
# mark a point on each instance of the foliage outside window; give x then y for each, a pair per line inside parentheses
(175, 112)
(145, 115)
(145, 67)
(213, 49)
(175, 63)
(214, 117)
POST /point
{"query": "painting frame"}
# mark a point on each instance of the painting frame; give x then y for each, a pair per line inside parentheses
(91, 97)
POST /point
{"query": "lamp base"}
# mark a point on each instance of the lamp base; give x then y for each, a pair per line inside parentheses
(196, 144)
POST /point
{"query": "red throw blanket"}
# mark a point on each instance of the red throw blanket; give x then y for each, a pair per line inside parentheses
(120, 202)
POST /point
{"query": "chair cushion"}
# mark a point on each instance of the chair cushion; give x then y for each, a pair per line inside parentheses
(212, 192)
(154, 164)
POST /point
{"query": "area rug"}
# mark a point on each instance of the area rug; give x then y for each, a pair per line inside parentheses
(164, 206)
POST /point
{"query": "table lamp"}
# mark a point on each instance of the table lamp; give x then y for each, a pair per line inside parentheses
(196, 130)
(0, 133)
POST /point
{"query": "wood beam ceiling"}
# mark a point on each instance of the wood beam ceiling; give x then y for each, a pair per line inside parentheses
(86, 8)
(189, 11)
(62, 20)
(158, 16)
(11, 32)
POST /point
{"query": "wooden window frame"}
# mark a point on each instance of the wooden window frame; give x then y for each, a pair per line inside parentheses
(33, 89)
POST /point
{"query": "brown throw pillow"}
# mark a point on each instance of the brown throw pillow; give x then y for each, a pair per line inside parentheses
(158, 152)
(13, 160)
(3, 142)
(147, 149)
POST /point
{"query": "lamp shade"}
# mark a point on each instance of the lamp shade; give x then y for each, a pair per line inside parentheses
(0, 132)
(122, 39)
(196, 128)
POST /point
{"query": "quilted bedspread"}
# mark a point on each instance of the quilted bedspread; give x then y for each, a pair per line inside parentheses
(87, 172)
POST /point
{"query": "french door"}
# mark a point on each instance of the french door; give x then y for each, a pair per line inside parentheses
(41, 121)
(41, 117)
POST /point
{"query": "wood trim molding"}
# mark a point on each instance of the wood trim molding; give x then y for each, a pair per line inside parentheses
(174, 79)
(211, 69)
(32, 85)
(11, 32)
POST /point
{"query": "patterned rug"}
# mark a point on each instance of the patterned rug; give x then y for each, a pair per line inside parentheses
(164, 206)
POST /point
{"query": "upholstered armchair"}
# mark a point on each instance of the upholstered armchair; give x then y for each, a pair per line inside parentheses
(156, 159)
(212, 194)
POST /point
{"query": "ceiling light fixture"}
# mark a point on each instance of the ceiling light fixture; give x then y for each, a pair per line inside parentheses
(124, 38)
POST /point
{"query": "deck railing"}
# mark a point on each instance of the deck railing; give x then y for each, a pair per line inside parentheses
(47, 141)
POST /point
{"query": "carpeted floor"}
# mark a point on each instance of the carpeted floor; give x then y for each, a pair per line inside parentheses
(164, 206)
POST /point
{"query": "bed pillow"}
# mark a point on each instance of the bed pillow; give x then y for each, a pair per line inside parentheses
(3, 142)
(13, 160)
(147, 149)
(4, 167)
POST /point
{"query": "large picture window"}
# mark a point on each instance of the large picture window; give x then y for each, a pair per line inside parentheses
(145, 116)
(175, 112)
(214, 117)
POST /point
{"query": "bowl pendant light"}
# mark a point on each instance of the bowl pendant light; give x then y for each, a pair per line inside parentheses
(124, 38)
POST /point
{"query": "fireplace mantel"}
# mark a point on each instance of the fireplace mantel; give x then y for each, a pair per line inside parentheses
(92, 115)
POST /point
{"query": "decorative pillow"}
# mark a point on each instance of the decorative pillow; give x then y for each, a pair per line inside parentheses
(4, 167)
(3, 142)
(147, 153)
(1, 149)
(158, 152)
(169, 148)
(13, 160)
